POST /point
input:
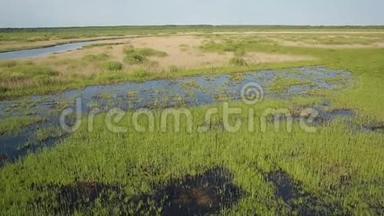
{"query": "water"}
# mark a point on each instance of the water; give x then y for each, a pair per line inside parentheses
(184, 92)
(42, 52)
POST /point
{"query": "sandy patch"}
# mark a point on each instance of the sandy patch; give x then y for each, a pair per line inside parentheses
(183, 52)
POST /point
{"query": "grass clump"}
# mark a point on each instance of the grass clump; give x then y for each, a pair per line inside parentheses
(141, 74)
(140, 56)
(113, 66)
(283, 84)
(238, 61)
(13, 125)
(174, 69)
(25, 77)
(3, 89)
(134, 58)
(45, 134)
(26, 72)
(239, 47)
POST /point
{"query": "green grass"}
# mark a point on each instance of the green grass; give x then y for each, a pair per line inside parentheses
(240, 46)
(114, 66)
(317, 161)
(283, 84)
(27, 72)
(14, 125)
(335, 39)
(140, 56)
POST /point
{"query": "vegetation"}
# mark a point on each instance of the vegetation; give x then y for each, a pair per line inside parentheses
(45, 134)
(338, 168)
(238, 61)
(114, 66)
(328, 164)
(140, 56)
(14, 125)
(43, 34)
(282, 85)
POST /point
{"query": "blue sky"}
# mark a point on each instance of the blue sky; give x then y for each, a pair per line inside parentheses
(43, 13)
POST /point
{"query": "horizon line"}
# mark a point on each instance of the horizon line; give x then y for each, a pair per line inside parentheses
(203, 25)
